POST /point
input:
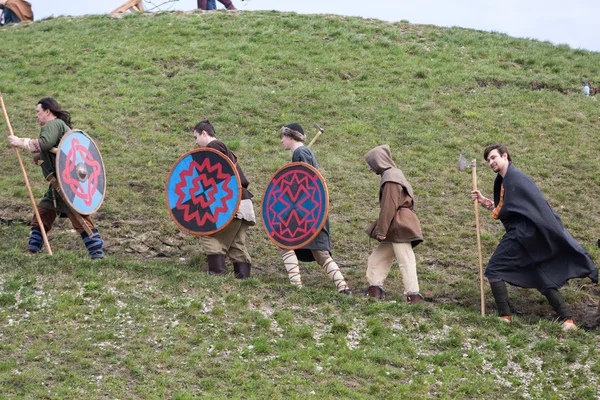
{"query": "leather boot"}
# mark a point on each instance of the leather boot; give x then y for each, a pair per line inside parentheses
(216, 264)
(414, 298)
(242, 270)
(376, 292)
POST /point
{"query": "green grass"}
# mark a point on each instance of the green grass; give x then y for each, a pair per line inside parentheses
(147, 322)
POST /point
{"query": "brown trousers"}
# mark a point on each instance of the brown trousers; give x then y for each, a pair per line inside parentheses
(230, 241)
(48, 217)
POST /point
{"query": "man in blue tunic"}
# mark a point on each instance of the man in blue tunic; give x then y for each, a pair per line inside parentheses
(536, 251)
(319, 250)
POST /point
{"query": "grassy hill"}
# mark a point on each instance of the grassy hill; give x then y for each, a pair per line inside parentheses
(147, 322)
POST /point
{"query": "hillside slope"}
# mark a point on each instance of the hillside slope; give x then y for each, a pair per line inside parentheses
(139, 84)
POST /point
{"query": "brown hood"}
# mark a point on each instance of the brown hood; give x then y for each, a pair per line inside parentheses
(380, 161)
(21, 8)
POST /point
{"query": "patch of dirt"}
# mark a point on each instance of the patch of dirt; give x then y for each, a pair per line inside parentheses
(542, 85)
(589, 317)
(145, 245)
(532, 86)
(493, 82)
(10, 221)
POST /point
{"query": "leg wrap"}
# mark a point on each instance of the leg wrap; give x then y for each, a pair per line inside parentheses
(557, 301)
(500, 293)
(332, 269)
(36, 240)
(93, 244)
(290, 261)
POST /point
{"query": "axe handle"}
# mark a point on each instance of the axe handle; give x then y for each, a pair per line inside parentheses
(315, 138)
(31, 197)
(474, 174)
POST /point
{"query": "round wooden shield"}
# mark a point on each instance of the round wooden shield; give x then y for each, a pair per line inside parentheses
(203, 191)
(295, 205)
(80, 172)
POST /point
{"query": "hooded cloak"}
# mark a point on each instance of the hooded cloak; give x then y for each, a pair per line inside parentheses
(397, 221)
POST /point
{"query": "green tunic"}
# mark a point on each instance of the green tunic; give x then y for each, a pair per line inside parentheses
(50, 136)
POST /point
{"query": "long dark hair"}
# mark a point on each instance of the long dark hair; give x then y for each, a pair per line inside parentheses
(49, 103)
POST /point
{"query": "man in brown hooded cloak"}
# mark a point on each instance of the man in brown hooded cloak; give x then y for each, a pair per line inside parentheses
(397, 228)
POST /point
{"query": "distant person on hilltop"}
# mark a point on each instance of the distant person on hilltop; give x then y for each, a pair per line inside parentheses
(319, 249)
(230, 241)
(55, 123)
(536, 251)
(397, 229)
(15, 11)
(212, 4)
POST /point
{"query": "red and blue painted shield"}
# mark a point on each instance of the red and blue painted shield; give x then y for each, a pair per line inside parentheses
(203, 191)
(295, 205)
(80, 172)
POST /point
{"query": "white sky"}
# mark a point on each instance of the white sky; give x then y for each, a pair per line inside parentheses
(559, 21)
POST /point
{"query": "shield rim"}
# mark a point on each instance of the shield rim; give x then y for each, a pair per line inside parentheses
(59, 179)
(239, 197)
(321, 225)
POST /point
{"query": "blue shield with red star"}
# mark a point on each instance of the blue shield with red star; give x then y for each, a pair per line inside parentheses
(295, 205)
(80, 172)
(203, 191)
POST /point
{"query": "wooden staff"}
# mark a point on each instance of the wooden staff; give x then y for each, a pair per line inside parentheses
(35, 209)
(474, 174)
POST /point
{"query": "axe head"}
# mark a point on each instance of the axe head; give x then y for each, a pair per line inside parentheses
(463, 163)
(319, 128)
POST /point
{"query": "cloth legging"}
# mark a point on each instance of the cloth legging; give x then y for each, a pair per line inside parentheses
(555, 298)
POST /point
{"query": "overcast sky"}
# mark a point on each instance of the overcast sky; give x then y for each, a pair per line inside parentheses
(558, 21)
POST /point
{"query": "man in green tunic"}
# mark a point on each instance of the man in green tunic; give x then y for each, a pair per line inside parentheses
(55, 123)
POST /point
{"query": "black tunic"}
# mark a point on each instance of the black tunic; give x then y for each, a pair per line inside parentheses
(536, 251)
(321, 242)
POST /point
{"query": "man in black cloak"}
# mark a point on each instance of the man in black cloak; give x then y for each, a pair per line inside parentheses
(536, 251)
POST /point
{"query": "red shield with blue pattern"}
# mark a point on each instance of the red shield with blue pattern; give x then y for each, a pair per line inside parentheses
(80, 172)
(295, 205)
(203, 191)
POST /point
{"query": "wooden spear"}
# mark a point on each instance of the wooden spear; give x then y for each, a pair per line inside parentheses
(462, 165)
(35, 209)
(474, 174)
